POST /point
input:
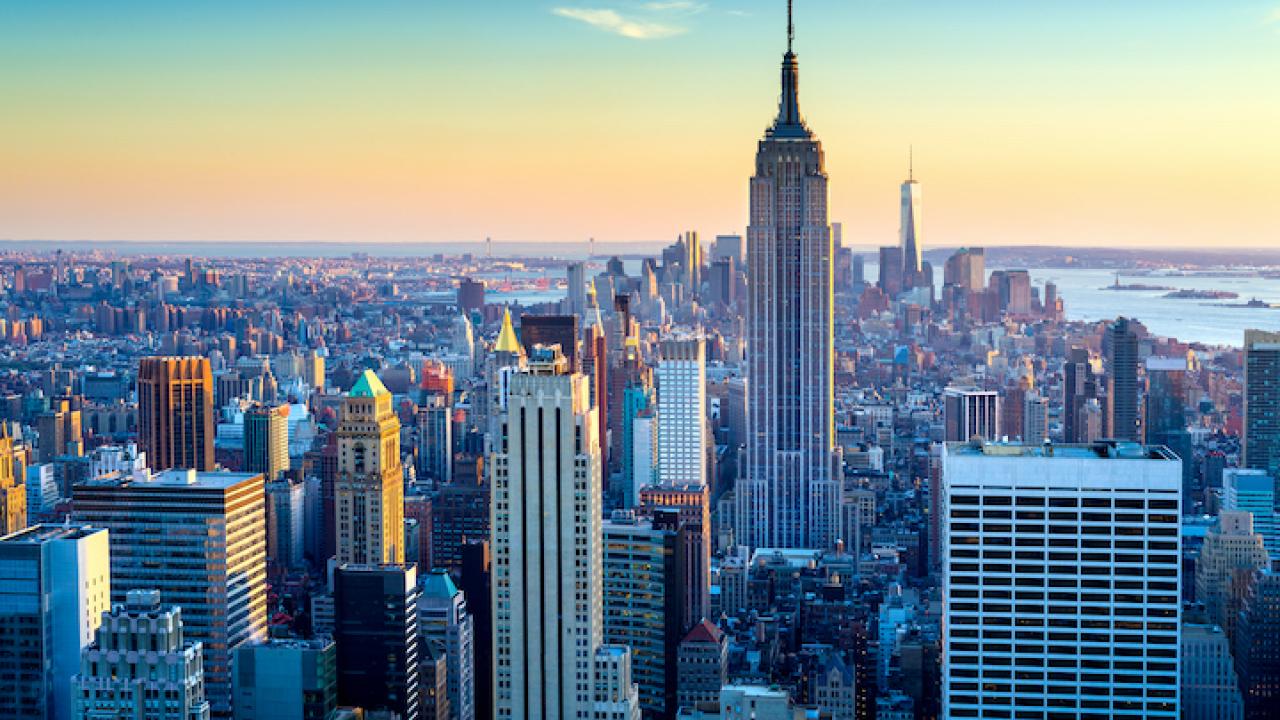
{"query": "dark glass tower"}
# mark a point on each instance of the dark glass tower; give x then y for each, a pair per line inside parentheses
(791, 496)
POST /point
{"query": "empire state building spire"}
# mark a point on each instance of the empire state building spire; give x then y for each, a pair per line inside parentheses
(789, 123)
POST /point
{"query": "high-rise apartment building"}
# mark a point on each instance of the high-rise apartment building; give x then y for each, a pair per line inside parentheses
(1080, 389)
(703, 665)
(266, 440)
(1061, 574)
(286, 524)
(1261, 441)
(547, 571)
(376, 631)
(175, 412)
(682, 412)
(792, 496)
(287, 679)
(141, 665)
(370, 484)
(13, 489)
(200, 539)
(575, 301)
(55, 583)
(970, 412)
(1120, 345)
(1035, 418)
(443, 618)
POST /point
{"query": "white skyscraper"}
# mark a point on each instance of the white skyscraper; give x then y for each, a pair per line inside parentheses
(970, 412)
(546, 525)
(682, 412)
(55, 583)
(1061, 578)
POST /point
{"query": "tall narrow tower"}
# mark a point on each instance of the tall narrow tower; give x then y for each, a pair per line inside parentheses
(791, 495)
(370, 489)
(909, 231)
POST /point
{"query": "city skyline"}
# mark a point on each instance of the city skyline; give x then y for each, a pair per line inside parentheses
(1084, 125)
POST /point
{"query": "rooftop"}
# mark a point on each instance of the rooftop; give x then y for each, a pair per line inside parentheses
(1099, 450)
(38, 534)
(368, 385)
(175, 478)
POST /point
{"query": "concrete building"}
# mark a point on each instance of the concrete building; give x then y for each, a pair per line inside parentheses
(175, 412)
(703, 664)
(200, 539)
(443, 618)
(142, 666)
(1052, 542)
(835, 687)
(55, 583)
(377, 638)
(615, 696)
(547, 560)
(1230, 548)
(682, 412)
(1035, 418)
(369, 494)
(287, 679)
(286, 504)
(1210, 688)
(754, 702)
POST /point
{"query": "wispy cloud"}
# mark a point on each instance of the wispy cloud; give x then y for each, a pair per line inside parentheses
(1273, 17)
(629, 26)
(683, 6)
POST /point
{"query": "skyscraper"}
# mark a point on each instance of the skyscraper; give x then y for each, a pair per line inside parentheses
(1262, 401)
(13, 489)
(200, 539)
(970, 412)
(1061, 572)
(791, 497)
(1121, 347)
(266, 440)
(682, 412)
(139, 657)
(909, 239)
(1253, 491)
(1256, 650)
(547, 571)
(175, 412)
(443, 618)
(376, 630)
(55, 583)
(559, 330)
(370, 487)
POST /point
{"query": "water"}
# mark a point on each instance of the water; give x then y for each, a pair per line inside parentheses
(1205, 321)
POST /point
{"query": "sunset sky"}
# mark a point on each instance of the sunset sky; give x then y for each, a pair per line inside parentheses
(1090, 122)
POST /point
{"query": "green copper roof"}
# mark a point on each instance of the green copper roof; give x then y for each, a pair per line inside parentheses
(368, 386)
(438, 584)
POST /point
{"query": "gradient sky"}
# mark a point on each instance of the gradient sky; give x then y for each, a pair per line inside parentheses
(1090, 122)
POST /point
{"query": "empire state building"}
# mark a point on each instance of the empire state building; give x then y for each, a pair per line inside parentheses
(791, 494)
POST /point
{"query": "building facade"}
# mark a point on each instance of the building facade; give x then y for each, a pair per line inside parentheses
(175, 412)
(141, 666)
(287, 679)
(547, 560)
(55, 583)
(791, 497)
(682, 412)
(369, 495)
(1052, 544)
(1261, 441)
(200, 539)
(377, 638)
